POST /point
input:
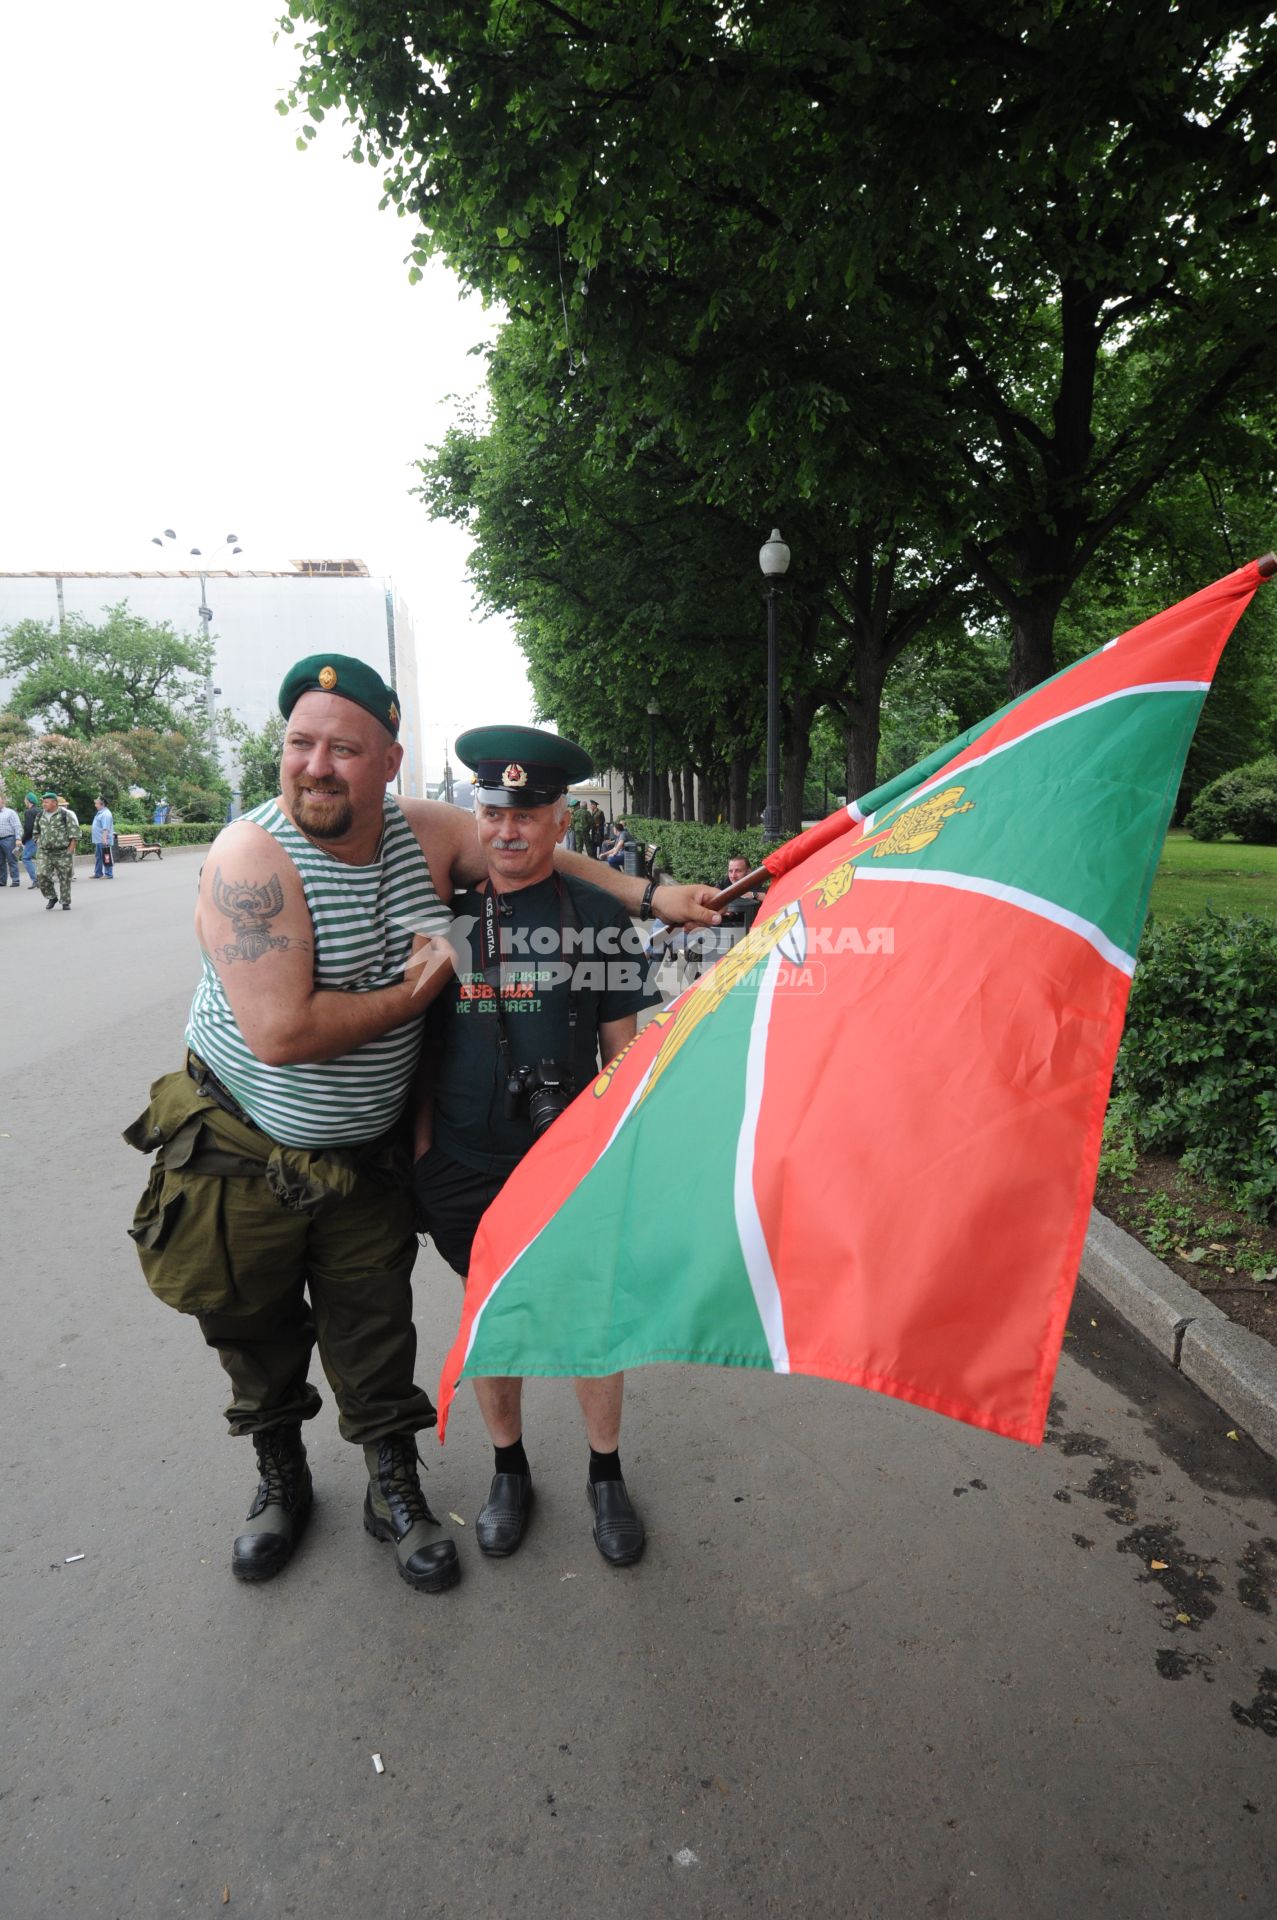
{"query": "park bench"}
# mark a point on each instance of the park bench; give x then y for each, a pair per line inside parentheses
(131, 846)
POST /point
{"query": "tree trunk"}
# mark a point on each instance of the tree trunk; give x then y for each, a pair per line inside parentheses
(676, 785)
(860, 733)
(689, 792)
(1033, 642)
(738, 791)
(794, 755)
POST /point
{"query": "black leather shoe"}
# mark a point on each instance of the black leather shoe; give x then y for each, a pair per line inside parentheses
(280, 1509)
(618, 1531)
(49, 905)
(395, 1509)
(502, 1520)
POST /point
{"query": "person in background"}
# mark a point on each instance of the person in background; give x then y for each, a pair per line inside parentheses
(29, 813)
(614, 851)
(103, 831)
(56, 830)
(10, 840)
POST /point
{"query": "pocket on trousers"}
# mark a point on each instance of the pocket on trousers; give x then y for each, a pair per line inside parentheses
(178, 1232)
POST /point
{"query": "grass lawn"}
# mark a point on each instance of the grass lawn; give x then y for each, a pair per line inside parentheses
(1195, 874)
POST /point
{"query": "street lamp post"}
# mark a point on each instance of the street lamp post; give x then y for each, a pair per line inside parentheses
(206, 621)
(653, 715)
(773, 558)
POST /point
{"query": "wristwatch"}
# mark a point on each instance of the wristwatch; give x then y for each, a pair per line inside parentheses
(645, 905)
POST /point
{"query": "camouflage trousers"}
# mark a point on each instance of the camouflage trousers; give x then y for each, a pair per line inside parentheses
(53, 874)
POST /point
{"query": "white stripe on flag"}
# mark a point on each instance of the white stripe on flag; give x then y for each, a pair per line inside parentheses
(749, 1226)
(1015, 897)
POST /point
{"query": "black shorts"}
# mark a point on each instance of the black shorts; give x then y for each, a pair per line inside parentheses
(451, 1200)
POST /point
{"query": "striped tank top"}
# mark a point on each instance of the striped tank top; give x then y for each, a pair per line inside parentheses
(364, 920)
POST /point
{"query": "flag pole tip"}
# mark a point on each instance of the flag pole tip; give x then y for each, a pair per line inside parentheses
(1267, 566)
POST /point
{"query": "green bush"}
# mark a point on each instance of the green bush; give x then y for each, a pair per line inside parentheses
(184, 833)
(1197, 1071)
(1243, 801)
(691, 852)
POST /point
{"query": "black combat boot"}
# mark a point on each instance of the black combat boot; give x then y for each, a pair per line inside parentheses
(280, 1509)
(395, 1509)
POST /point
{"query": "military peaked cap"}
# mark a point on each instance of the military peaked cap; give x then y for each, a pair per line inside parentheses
(521, 766)
(350, 679)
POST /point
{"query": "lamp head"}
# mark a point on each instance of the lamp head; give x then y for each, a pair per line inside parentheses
(773, 556)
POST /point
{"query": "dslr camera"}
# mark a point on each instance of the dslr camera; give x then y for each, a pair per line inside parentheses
(546, 1091)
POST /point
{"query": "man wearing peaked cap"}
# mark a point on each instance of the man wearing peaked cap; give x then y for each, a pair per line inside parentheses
(521, 766)
(279, 1210)
(556, 965)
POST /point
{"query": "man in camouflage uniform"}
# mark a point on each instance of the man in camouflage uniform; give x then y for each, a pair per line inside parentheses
(55, 831)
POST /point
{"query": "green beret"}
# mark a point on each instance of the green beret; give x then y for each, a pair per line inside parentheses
(521, 766)
(350, 679)
(49, 796)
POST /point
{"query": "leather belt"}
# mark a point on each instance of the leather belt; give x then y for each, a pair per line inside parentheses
(208, 1083)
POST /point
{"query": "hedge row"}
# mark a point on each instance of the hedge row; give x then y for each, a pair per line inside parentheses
(1197, 1072)
(694, 853)
(184, 833)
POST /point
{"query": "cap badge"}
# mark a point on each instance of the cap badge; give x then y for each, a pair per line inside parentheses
(394, 714)
(328, 678)
(515, 775)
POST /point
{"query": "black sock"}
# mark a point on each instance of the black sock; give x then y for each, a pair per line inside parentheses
(605, 1466)
(511, 1459)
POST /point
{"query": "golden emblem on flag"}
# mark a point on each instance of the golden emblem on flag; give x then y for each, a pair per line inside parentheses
(328, 678)
(918, 826)
(785, 930)
(831, 887)
(515, 775)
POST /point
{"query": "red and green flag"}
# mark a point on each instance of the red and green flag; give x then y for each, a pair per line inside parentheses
(863, 1145)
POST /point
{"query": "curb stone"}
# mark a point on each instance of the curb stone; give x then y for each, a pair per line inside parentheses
(1233, 1367)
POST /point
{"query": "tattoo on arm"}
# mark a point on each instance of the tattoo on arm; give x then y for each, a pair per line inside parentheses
(250, 911)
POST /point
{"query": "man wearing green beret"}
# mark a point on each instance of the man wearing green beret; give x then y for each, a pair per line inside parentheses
(56, 828)
(279, 1209)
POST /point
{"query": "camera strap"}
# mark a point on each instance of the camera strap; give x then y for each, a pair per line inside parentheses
(494, 910)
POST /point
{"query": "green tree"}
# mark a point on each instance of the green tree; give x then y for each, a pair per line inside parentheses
(77, 768)
(85, 679)
(1048, 225)
(172, 766)
(257, 754)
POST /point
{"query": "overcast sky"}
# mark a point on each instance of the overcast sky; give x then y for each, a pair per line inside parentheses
(204, 329)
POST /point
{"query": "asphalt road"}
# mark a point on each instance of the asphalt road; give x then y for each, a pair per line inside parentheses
(873, 1662)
